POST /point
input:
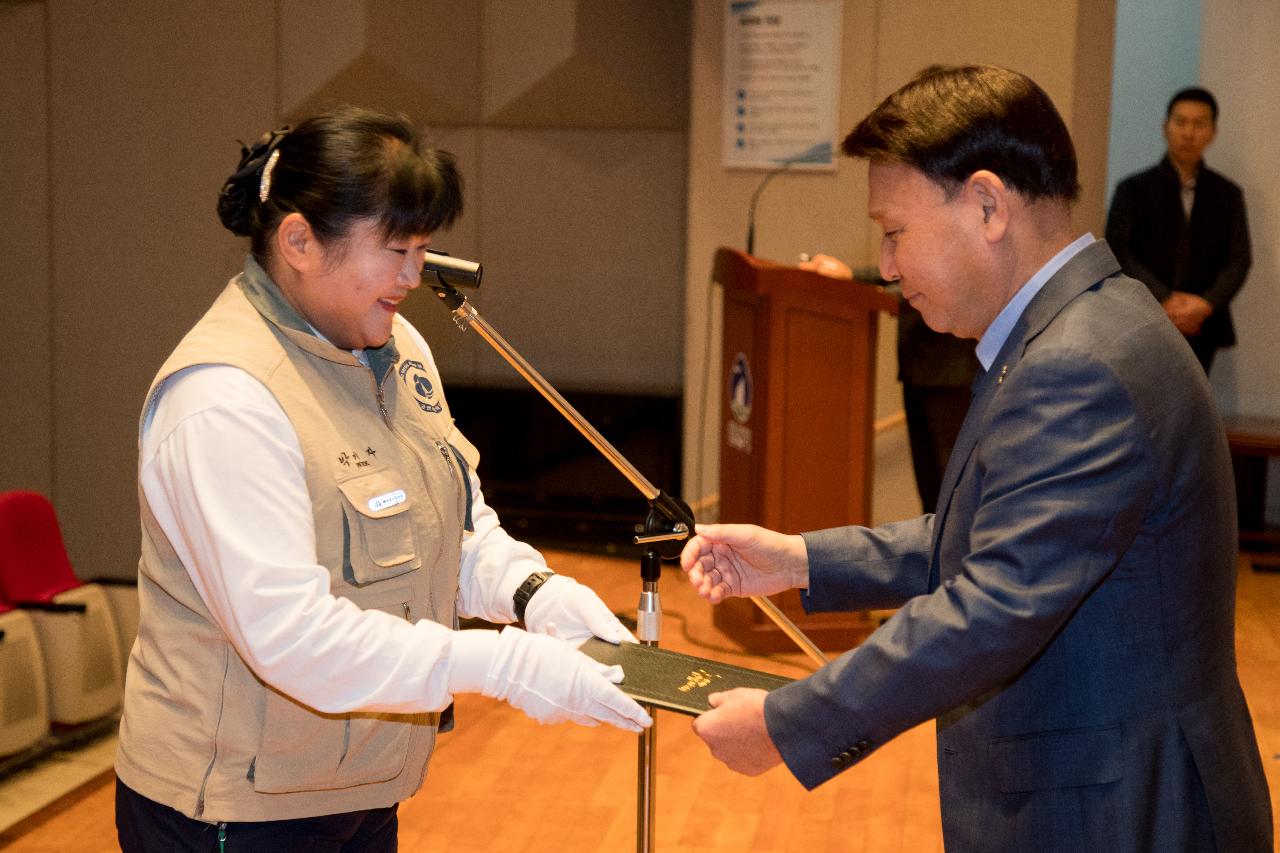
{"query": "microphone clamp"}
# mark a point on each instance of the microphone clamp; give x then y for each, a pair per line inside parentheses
(449, 270)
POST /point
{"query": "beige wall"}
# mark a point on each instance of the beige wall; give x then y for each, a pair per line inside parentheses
(1238, 62)
(568, 119)
(26, 300)
(1065, 46)
(141, 104)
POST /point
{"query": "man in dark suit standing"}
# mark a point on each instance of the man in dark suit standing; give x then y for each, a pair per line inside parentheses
(1067, 616)
(937, 372)
(1180, 228)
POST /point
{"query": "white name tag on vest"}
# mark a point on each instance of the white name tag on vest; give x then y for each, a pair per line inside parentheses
(381, 502)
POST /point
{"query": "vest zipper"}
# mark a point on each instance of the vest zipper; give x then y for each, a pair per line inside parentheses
(213, 759)
(448, 461)
(440, 445)
(456, 476)
(448, 458)
(204, 783)
(462, 502)
(382, 404)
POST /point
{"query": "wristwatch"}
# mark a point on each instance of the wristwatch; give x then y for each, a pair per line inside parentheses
(526, 590)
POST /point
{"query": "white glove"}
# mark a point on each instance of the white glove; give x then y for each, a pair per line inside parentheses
(545, 677)
(564, 608)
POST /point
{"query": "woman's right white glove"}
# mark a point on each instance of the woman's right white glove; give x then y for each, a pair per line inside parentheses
(543, 676)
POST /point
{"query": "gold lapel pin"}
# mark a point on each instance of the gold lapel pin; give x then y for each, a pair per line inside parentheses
(1004, 371)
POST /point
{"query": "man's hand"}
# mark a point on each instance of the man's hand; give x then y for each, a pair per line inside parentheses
(725, 560)
(735, 731)
(828, 266)
(1187, 311)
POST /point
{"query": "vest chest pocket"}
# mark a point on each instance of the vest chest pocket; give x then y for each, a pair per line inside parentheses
(380, 540)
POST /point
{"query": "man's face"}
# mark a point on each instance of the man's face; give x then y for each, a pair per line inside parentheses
(934, 247)
(1189, 130)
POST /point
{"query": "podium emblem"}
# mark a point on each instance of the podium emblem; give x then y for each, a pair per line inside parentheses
(740, 389)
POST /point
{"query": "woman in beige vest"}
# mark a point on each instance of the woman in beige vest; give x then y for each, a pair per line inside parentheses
(313, 528)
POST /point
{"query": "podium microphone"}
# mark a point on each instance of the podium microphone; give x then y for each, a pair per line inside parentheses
(449, 270)
(751, 211)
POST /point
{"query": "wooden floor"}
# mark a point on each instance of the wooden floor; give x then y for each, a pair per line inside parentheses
(503, 783)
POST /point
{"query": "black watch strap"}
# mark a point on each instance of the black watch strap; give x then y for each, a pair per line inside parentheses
(526, 590)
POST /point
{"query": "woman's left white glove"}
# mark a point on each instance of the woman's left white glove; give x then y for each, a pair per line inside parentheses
(564, 608)
(543, 676)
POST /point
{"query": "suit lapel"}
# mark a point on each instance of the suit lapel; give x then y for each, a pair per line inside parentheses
(1091, 265)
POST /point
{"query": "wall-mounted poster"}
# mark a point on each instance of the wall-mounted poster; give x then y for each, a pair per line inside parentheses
(781, 83)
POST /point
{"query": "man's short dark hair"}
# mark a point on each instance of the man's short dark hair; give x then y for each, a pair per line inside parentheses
(951, 121)
(1197, 94)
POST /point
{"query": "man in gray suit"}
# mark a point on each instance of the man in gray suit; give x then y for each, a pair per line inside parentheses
(1067, 616)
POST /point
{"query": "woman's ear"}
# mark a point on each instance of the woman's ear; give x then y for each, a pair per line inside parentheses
(991, 198)
(296, 244)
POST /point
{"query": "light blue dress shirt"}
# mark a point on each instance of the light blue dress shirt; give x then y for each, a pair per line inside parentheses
(998, 332)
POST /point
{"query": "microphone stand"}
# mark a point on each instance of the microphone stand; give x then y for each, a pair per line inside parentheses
(755, 197)
(669, 523)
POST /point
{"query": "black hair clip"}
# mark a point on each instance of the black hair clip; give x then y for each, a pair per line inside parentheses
(235, 199)
(255, 158)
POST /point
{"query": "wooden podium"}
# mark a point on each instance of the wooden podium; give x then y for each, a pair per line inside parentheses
(796, 452)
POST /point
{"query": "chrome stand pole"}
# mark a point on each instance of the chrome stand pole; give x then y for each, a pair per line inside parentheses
(648, 631)
(670, 521)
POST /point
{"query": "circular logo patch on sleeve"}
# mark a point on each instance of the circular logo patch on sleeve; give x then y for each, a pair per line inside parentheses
(418, 383)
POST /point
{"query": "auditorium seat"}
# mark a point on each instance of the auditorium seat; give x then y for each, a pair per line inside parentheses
(24, 704)
(73, 622)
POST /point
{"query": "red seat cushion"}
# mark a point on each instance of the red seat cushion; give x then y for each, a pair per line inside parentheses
(33, 559)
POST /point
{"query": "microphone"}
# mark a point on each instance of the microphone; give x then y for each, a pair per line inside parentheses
(450, 270)
(751, 211)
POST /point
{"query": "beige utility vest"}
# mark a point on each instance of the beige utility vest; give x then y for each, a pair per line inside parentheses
(200, 732)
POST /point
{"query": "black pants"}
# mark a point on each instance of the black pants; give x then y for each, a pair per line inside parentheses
(145, 826)
(1204, 351)
(934, 417)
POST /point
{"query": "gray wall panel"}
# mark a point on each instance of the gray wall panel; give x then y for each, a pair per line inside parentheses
(26, 371)
(146, 103)
(595, 243)
(125, 121)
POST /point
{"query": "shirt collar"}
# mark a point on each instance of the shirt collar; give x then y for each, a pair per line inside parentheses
(998, 332)
(265, 295)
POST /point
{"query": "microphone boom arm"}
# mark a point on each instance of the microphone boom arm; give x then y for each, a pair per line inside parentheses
(466, 317)
(672, 509)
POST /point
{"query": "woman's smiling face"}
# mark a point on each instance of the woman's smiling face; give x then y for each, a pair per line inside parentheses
(353, 296)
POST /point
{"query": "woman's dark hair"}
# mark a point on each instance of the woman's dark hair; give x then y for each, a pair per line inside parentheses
(338, 167)
(951, 121)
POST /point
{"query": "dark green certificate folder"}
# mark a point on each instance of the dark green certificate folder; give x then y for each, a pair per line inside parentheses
(672, 680)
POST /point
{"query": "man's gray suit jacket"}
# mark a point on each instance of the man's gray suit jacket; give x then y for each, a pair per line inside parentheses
(1068, 613)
